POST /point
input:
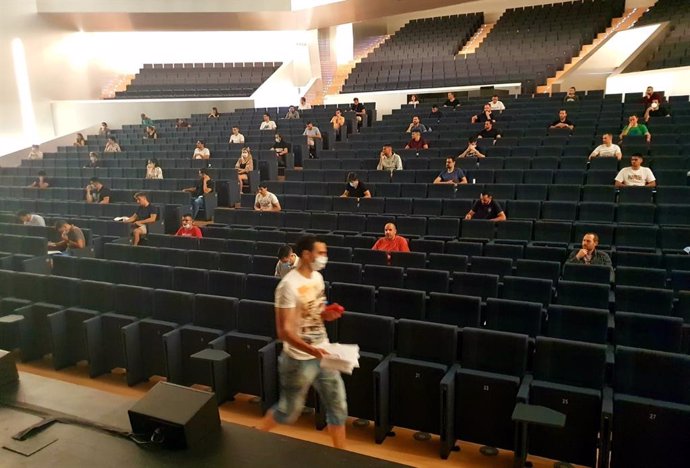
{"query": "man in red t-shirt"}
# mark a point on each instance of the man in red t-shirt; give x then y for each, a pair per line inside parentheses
(188, 229)
(391, 241)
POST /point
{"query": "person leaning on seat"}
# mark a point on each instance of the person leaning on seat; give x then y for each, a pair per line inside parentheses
(355, 188)
(72, 238)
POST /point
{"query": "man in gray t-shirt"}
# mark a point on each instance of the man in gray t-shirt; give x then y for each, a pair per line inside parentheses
(312, 133)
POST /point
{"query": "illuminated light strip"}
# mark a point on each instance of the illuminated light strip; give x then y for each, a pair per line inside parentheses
(26, 106)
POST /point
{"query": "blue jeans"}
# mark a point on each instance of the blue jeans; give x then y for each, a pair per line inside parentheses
(197, 204)
(296, 376)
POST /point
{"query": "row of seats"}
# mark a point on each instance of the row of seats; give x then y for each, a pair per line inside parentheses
(160, 346)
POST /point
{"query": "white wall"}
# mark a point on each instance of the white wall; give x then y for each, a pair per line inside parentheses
(673, 81)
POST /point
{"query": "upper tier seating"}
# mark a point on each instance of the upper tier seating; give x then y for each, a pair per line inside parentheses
(180, 80)
(674, 50)
(527, 45)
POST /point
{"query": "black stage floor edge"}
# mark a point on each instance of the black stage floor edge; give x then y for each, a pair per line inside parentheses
(71, 445)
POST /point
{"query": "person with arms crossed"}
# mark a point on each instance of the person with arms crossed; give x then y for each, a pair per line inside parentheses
(300, 307)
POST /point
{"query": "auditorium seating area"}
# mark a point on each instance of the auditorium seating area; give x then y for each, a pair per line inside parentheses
(673, 52)
(465, 326)
(527, 45)
(190, 80)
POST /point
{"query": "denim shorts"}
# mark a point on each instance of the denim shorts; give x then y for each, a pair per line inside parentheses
(296, 376)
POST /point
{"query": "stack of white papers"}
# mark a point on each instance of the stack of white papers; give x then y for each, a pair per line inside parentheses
(343, 358)
(121, 218)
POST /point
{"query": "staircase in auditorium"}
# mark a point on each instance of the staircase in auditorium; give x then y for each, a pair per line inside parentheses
(362, 49)
(627, 21)
(476, 40)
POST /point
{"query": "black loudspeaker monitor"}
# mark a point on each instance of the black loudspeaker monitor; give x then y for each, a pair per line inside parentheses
(176, 417)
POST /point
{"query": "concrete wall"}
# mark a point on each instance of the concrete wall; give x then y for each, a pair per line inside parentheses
(673, 81)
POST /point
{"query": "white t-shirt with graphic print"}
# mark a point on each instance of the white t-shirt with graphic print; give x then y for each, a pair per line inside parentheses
(639, 178)
(307, 295)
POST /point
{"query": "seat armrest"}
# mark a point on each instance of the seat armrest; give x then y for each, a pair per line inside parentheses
(172, 347)
(94, 345)
(523, 391)
(381, 376)
(131, 337)
(268, 377)
(448, 411)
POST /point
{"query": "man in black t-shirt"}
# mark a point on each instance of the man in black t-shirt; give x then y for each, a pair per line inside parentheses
(204, 185)
(435, 113)
(451, 101)
(281, 148)
(146, 214)
(486, 208)
(485, 115)
(358, 108)
(562, 121)
(489, 131)
(355, 188)
(96, 192)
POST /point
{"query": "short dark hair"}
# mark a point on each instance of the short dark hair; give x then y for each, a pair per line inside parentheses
(203, 170)
(94, 180)
(59, 223)
(284, 251)
(637, 155)
(593, 234)
(387, 145)
(352, 176)
(495, 95)
(416, 130)
(267, 115)
(434, 106)
(201, 141)
(417, 115)
(141, 194)
(305, 243)
(487, 193)
(41, 173)
(21, 213)
(472, 139)
(263, 184)
(562, 110)
(188, 214)
(310, 122)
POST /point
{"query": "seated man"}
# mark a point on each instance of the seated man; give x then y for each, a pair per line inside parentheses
(360, 112)
(200, 151)
(35, 153)
(486, 208)
(435, 114)
(182, 123)
(471, 151)
(355, 188)
(451, 175)
(96, 192)
(292, 113)
(485, 115)
(607, 149)
(265, 200)
(93, 161)
(72, 238)
(636, 175)
(588, 254)
(40, 182)
(649, 96)
(203, 185)
(634, 128)
(188, 229)
(236, 137)
(571, 96)
(30, 219)
(562, 121)
(489, 131)
(655, 109)
(287, 261)
(267, 123)
(416, 124)
(417, 142)
(451, 101)
(391, 241)
(496, 105)
(281, 148)
(146, 214)
(312, 133)
(388, 160)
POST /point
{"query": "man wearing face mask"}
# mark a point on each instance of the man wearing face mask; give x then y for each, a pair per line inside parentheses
(281, 148)
(355, 188)
(300, 309)
(188, 229)
(655, 109)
